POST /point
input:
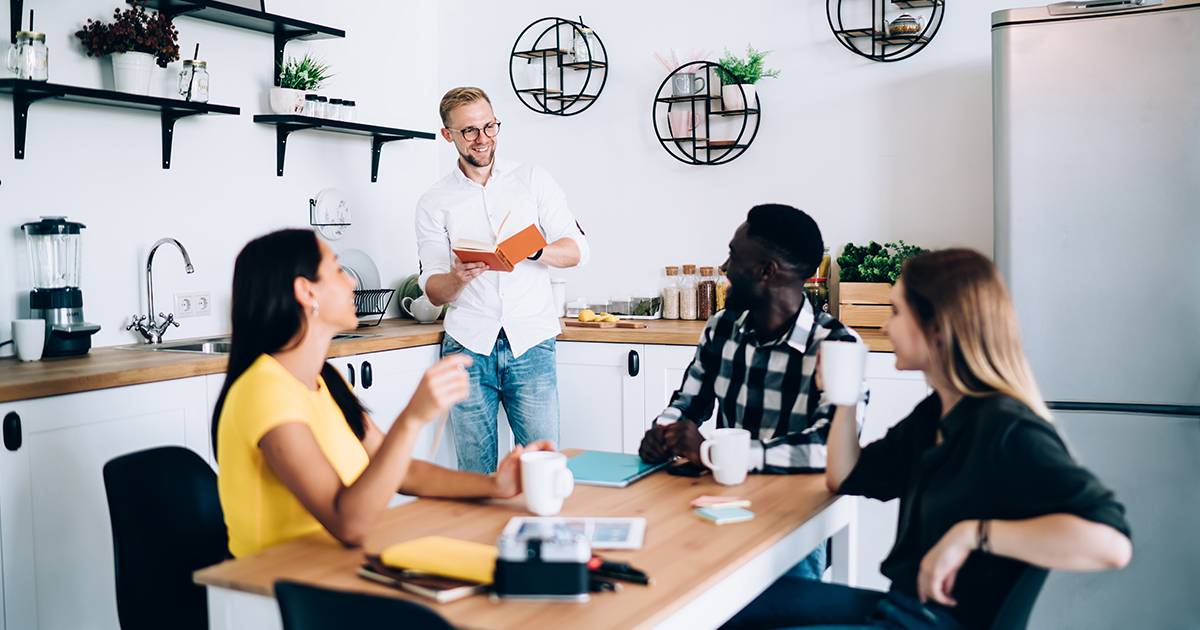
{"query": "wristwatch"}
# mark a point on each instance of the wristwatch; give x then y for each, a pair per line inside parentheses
(536, 255)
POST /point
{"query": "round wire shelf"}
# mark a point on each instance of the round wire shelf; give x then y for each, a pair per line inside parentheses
(698, 143)
(873, 41)
(575, 81)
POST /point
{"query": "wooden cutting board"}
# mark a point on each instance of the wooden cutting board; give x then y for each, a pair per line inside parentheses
(606, 324)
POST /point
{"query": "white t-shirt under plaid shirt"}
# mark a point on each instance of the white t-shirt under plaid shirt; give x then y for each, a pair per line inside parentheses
(766, 388)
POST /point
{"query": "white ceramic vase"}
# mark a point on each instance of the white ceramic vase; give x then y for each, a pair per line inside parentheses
(132, 72)
(286, 101)
(731, 96)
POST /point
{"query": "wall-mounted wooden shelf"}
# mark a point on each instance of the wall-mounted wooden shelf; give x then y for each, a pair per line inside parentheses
(283, 28)
(286, 124)
(26, 92)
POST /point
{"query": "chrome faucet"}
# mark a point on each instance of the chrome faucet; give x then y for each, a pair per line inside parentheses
(151, 329)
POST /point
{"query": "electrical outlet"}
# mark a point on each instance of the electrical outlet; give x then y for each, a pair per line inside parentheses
(203, 304)
(185, 305)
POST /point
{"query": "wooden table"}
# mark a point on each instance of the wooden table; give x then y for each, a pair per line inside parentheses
(702, 573)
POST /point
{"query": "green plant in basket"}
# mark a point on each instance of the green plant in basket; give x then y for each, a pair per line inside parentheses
(306, 73)
(874, 262)
(734, 70)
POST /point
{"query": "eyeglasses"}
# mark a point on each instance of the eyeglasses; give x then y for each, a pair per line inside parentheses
(471, 133)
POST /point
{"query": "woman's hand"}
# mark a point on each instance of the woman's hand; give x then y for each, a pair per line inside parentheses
(940, 566)
(507, 477)
(444, 385)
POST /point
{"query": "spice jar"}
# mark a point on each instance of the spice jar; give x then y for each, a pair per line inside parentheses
(310, 106)
(348, 111)
(722, 289)
(334, 110)
(670, 293)
(322, 107)
(817, 290)
(706, 294)
(687, 293)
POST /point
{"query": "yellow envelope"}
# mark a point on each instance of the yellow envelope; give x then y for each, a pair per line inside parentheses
(460, 559)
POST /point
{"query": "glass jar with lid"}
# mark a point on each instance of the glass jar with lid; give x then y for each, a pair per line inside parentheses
(817, 290)
(706, 294)
(722, 289)
(687, 293)
(29, 58)
(322, 106)
(310, 106)
(584, 43)
(348, 111)
(670, 293)
(193, 81)
(333, 111)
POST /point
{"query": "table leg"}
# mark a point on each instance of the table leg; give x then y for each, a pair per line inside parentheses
(236, 610)
(843, 560)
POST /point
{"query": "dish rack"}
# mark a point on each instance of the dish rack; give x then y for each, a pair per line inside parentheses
(369, 302)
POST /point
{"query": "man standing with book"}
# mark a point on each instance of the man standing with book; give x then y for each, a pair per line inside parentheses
(505, 320)
(757, 359)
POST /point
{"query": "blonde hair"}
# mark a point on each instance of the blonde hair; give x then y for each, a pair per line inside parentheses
(970, 325)
(458, 97)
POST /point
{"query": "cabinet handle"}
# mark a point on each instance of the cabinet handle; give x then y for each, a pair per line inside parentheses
(368, 378)
(350, 369)
(12, 431)
(634, 363)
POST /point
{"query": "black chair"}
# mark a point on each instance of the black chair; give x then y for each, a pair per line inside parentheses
(310, 608)
(167, 523)
(1014, 614)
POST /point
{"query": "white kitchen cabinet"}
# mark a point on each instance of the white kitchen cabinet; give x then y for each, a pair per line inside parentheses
(55, 538)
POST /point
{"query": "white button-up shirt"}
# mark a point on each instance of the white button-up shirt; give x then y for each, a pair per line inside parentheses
(521, 301)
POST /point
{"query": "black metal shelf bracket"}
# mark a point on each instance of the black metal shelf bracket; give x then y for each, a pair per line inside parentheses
(168, 132)
(21, 103)
(282, 37)
(281, 135)
(377, 143)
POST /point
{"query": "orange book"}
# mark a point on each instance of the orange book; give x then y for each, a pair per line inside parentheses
(506, 255)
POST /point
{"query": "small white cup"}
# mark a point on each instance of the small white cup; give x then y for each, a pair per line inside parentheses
(842, 366)
(727, 454)
(29, 337)
(546, 481)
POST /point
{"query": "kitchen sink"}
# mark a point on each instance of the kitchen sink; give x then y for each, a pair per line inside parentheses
(214, 345)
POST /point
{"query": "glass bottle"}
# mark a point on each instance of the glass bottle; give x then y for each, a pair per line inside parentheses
(671, 294)
(687, 293)
(310, 105)
(722, 289)
(706, 294)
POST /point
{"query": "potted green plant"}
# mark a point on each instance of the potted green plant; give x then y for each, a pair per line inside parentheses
(865, 278)
(136, 40)
(738, 77)
(297, 76)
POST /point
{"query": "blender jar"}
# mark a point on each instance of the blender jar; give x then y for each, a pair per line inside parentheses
(55, 246)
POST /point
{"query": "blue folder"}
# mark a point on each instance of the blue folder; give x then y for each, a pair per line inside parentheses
(615, 470)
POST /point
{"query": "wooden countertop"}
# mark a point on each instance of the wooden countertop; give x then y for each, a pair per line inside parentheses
(102, 368)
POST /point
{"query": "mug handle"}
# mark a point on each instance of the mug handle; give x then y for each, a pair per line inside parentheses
(10, 59)
(698, 85)
(706, 448)
(404, 305)
(564, 481)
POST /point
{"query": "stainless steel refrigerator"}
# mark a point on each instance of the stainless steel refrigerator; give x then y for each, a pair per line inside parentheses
(1096, 110)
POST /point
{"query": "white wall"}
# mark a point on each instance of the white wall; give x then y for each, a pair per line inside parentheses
(102, 166)
(879, 151)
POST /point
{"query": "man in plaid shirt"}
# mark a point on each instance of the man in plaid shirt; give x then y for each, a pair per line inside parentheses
(757, 358)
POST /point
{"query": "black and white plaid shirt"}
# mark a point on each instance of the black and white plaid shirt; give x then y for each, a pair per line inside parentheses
(766, 388)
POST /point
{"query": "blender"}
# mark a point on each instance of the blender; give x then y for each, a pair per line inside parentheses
(54, 260)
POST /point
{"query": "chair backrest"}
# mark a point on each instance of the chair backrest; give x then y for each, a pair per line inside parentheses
(167, 523)
(1014, 614)
(306, 607)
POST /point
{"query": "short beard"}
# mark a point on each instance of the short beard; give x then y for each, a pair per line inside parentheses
(734, 302)
(476, 162)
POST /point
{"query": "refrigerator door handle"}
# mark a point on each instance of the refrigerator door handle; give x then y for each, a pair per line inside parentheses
(1099, 6)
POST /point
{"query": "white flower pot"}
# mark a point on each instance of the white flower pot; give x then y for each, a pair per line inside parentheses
(132, 72)
(731, 95)
(286, 101)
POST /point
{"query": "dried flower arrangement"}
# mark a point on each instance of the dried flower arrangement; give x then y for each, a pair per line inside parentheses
(132, 30)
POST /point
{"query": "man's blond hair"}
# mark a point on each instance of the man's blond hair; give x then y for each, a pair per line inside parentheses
(458, 97)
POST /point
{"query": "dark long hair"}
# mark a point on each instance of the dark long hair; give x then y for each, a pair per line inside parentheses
(266, 315)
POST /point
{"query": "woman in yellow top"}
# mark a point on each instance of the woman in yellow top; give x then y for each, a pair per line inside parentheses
(297, 451)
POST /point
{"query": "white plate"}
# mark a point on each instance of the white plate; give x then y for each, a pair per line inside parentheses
(361, 263)
(330, 213)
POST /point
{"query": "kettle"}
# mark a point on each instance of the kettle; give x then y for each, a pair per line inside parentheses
(903, 25)
(421, 309)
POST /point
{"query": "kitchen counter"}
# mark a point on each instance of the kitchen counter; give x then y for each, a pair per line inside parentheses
(103, 368)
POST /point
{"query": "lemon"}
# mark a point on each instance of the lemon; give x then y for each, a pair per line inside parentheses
(587, 315)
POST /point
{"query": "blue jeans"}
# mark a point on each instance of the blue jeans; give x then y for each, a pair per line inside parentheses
(813, 566)
(796, 603)
(528, 388)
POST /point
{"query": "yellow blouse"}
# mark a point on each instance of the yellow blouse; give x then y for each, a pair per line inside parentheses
(260, 511)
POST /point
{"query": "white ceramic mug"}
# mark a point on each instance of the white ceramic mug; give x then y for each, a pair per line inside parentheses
(421, 309)
(727, 454)
(546, 481)
(843, 364)
(29, 337)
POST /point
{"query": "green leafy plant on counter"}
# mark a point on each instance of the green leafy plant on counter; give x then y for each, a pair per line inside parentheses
(874, 262)
(734, 70)
(306, 73)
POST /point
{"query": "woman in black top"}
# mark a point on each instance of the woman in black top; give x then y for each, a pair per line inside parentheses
(986, 486)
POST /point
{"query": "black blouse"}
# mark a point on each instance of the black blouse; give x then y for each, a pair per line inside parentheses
(998, 460)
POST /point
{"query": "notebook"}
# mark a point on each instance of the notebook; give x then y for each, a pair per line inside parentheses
(459, 559)
(440, 589)
(721, 516)
(615, 470)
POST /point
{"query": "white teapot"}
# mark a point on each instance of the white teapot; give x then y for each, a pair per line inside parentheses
(421, 309)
